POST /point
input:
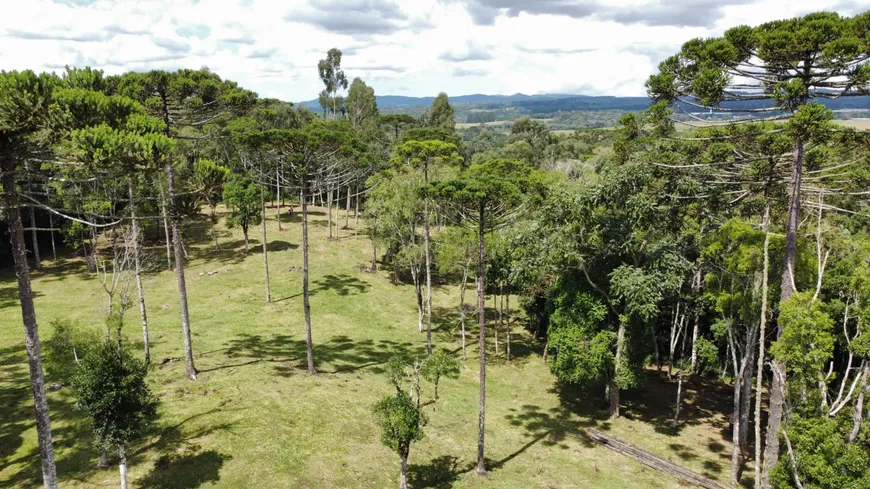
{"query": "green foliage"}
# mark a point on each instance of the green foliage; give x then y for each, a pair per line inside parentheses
(438, 365)
(824, 459)
(400, 421)
(441, 113)
(708, 356)
(210, 178)
(242, 196)
(70, 340)
(362, 107)
(806, 342)
(110, 387)
(582, 348)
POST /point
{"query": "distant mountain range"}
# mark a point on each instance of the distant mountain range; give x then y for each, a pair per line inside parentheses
(549, 103)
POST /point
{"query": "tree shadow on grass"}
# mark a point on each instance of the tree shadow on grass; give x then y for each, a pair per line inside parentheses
(343, 284)
(440, 473)
(9, 292)
(187, 470)
(339, 354)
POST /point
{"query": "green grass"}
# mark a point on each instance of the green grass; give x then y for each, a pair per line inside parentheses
(255, 418)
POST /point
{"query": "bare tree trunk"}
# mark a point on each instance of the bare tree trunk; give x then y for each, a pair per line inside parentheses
(374, 252)
(347, 210)
(37, 262)
(138, 266)
(495, 305)
(265, 246)
(656, 346)
(696, 290)
(777, 390)
(245, 234)
(617, 361)
(179, 272)
(356, 214)
(759, 376)
(507, 313)
(403, 473)
(428, 265)
(679, 395)
(278, 191)
(309, 347)
(329, 212)
(51, 225)
(122, 466)
(418, 290)
(462, 308)
(746, 401)
(31, 329)
(858, 414)
(214, 233)
(481, 319)
(103, 462)
(166, 224)
(92, 256)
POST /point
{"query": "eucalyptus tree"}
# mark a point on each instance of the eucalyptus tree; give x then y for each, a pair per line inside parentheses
(791, 63)
(333, 78)
(441, 114)
(186, 101)
(24, 107)
(308, 154)
(423, 155)
(488, 195)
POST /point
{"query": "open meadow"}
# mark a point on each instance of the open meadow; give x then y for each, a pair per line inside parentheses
(255, 418)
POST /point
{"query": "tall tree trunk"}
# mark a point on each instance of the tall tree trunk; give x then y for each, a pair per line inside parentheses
(214, 223)
(103, 461)
(696, 292)
(179, 272)
(495, 306)
(37, 262)
(31, 329)
(51, 225)
(374, 252)
(428, 265)
(462, 308)
(278, 191)
(137, 263)
(418, 291)
(617, 361)
(306, 304)
(403, 472)
(329, 212)
(245, 234)
(507, 314)
(759, 375)
(858, 413)
(777, 390)
(356, 213)
(166, 224)
(92, 255)
(735, 432)
(746, 401)
(265, 246)
(679, 395)
(347, 210)
(481, 319)
(122, 467)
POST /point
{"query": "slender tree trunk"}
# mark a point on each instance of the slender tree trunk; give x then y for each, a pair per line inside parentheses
(245, 234)
(679, 395)
(481, 319)
(777, 390)
(278, 191)
(309, 347)
(137, 262)
(759, 375)
(507, 314)
(374, 252)
(37, 262)
(179, 272)
(122, 466)
(166, 224)
(214, 223)
(347, 210)
(656, 346)
(403, 473)
(462, 308)
(356, 214)
(31, 329)
(103, 462)
(696, 291)
(418, 290)
(617, 361)
(858, 413)
(265, 246)
(497, 321)
(735, 432)
(428, 265)
(51, 225)
(329, 212)
(92, 256)
(746, 401)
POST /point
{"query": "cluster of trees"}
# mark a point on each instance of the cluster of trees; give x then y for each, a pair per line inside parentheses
(669, 250)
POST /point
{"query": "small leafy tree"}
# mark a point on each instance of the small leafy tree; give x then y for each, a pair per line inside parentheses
(110, 388)
(210, 178)
(242, 196)
(401, 415)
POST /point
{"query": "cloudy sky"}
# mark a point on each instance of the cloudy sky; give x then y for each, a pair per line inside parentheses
(401, 47)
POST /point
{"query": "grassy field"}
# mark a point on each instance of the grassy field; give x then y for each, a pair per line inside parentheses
(256, 419)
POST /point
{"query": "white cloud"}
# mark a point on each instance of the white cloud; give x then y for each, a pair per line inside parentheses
(412, 47)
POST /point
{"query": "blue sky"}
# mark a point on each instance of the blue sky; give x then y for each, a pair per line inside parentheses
(418, 47)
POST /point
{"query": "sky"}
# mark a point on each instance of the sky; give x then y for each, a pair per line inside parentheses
(399, 47)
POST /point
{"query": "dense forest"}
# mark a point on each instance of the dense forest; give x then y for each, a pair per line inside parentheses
(722, 256)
